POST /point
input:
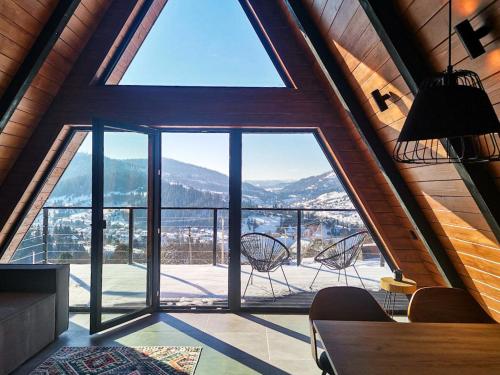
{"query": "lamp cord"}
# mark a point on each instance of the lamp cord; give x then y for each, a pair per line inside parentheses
(450, 67)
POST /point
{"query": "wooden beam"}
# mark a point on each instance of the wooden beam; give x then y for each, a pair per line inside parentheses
(126, 41)
(346, 93)
(263, 34)
(35, 58)
(99, 50)
(199, 106)
(414, 68)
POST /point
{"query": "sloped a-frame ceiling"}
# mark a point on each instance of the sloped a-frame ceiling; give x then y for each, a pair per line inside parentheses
(310, 104)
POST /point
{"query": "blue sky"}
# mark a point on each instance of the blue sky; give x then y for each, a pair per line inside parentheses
(212, 43)
(202, 43)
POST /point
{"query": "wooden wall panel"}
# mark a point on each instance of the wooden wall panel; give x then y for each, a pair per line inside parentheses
(38, 201)
(441, 193)
(20, 23)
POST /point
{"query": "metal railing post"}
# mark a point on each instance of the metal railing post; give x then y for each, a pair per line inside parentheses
(130, 235)
(299, 237)
(214, 239)
(45, 235)
(302, 214)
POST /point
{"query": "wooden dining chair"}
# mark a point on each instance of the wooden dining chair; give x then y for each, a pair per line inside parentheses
(342, 303)
(445, 305)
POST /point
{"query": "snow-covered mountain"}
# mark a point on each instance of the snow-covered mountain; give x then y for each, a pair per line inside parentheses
(311, 187)
(191, 185)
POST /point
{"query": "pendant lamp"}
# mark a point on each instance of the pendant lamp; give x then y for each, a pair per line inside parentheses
(451, 120)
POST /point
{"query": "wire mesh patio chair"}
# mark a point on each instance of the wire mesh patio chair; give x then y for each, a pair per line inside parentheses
(265, 254)
(342, 255)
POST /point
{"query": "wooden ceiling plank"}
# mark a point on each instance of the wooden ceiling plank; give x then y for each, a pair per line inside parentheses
(11, 31)
(31, 106)
(46, 85)
(35, 58)
(344, 15)
(8, 65)
(97, 51)
(84, 15)
(36, 9)
(19, 130)
(12, 49)
(47, 3)
(330, 9)
(65, 50)
(23, 19)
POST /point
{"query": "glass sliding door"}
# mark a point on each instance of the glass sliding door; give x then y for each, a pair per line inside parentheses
(124, 223)
(295, 207)
(168, 211)
(194, 220)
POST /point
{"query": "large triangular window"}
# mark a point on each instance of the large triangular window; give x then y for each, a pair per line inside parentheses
(202, 43)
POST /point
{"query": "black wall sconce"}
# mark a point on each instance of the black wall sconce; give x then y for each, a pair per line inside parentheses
(381, 99)
(471, 39)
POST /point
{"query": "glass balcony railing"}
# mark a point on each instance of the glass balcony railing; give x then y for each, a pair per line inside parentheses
(188, 235)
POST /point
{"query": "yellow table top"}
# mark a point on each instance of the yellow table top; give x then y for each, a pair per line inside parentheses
(406, 286)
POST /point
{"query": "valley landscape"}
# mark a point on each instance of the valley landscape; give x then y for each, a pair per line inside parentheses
(270, 207)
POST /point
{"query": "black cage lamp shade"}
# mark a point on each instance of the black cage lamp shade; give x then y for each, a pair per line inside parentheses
(451, 120)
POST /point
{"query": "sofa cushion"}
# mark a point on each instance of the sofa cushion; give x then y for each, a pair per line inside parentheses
(27, 325)
(14, 303)
(40, 278)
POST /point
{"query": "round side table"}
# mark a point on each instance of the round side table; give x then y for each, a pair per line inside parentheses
(392, 287)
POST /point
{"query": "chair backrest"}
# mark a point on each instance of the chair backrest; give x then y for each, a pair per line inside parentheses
(343, 253)
(264, 252)
(446, 305)
(344, 303)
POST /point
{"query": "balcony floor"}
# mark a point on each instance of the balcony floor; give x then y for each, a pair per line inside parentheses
(206, 285)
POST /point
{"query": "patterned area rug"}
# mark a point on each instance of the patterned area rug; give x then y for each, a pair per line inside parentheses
(114, 360)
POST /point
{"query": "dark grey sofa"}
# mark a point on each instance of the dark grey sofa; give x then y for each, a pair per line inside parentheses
(34, 303)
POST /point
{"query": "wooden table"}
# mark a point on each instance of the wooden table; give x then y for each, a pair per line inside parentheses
(370, 348)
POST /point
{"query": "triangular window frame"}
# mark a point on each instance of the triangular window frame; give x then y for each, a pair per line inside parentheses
(141, 26)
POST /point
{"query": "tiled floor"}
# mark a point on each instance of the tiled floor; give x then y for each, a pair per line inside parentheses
(232, 344)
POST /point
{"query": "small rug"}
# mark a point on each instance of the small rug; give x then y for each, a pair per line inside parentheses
(114, 360)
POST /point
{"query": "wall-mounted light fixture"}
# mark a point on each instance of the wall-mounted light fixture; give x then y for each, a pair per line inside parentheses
(471, 39)
(381, 99)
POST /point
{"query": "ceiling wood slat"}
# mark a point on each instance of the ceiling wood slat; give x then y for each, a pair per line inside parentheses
(35, 58)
